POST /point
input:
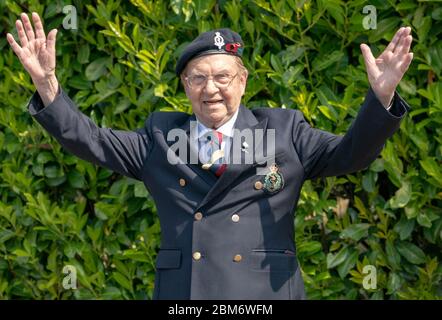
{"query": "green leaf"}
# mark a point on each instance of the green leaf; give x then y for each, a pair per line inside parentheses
(122, 280)
(394, 283)
(337, 259)
(111, 293)
(309, 247)
(404, 227)
(80, 83)
(369, 181)
(393, 256)
(423, 220)
(44, 157)
(103, 211)
(53, 171)
(136, 255)
(411, 252)
(21, 253)
(54, 182)
(83, 54)
(76, 179)
(356, 231)
(437, 14)
(5, 235)
(402, 196)
(140, 190)
(94, 233)
(432, 169)
(97, 68)
(327, 111)
(348, 264)
(377, 165)
(324, 62)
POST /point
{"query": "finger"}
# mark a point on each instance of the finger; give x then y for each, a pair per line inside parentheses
(404, 40)
(370, 63)
(407, 31)
(393, 43)
(14, 45)
(406, 63)
(21, 33)
(28, 27)
(39, 31)
(52, 37)
(407, 44)
(400, 46)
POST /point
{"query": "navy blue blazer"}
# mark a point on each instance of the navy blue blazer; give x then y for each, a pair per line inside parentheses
(227, 237)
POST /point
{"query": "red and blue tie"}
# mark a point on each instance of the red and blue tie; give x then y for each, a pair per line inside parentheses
(215, 154)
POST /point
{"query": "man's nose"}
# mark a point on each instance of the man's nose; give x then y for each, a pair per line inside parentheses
(210, 86)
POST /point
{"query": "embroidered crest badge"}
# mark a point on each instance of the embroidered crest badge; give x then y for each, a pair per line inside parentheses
(218, 40)
(273, 181)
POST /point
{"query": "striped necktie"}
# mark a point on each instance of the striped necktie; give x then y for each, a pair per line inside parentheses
(215, 153)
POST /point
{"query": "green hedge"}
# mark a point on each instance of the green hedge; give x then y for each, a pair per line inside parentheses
(57, 210)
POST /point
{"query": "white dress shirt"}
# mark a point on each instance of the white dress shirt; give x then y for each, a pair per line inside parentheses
(200, 132)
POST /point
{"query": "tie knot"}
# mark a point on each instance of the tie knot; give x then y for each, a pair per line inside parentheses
(218, 136)
(214, 137)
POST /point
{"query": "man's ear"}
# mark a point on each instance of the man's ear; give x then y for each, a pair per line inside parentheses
(182, 80)
(243, 79)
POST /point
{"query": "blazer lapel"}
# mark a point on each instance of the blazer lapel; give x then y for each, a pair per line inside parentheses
(207, 176)
(245, 120)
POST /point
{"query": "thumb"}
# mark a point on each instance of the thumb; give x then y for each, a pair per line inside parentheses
(368, 56)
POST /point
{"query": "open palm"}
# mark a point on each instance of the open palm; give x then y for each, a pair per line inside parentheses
(385, 72)
(36, 53)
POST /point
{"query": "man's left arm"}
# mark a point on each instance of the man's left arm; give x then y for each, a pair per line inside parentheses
(324, 154)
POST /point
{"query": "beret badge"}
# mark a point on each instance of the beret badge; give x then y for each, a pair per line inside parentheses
(218, 40)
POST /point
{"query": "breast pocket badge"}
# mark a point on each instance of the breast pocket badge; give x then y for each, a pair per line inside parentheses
(273, 181)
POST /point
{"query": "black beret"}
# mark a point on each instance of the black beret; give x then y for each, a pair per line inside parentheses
(216, 41)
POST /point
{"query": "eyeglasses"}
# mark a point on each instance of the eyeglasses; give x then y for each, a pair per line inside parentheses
(221, 81)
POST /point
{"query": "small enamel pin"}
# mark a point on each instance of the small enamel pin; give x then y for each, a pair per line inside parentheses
(244, 147)
(273, 181)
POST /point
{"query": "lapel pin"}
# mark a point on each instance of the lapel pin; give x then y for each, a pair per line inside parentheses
(244, 147)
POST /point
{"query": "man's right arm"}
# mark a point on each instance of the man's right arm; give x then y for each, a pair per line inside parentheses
(121, 151)
(124, 152)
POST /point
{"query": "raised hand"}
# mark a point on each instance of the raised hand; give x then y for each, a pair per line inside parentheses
(37, 55)
(385, 72)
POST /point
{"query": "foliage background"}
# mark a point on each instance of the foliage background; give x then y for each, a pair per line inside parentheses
(57, 210)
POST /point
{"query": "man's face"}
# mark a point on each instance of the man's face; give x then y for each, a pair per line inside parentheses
(214, 105)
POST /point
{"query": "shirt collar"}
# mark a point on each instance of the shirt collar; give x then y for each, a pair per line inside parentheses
(226, 129)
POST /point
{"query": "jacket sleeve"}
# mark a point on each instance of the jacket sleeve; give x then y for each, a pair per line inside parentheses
(121, 151)
(324, 154)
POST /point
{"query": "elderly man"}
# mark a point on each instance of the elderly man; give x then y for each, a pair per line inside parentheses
(227, 231)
